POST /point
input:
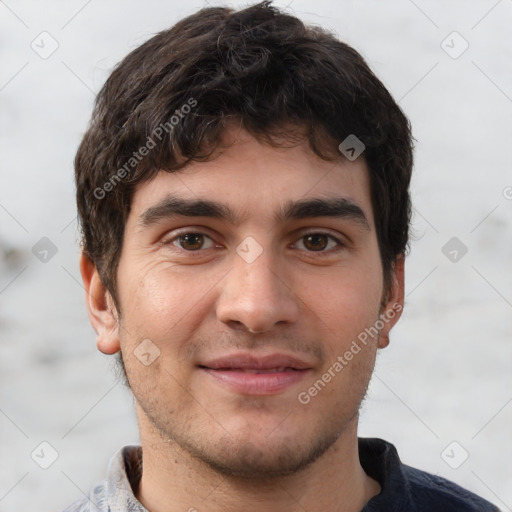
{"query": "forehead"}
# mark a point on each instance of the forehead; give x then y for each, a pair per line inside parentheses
(255, 180)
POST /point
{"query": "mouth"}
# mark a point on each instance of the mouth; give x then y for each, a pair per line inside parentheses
(259, 371)
(249, 375)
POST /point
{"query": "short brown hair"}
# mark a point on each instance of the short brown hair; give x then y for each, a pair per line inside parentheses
(261, 68)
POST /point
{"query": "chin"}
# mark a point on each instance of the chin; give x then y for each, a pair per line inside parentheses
(261, 462)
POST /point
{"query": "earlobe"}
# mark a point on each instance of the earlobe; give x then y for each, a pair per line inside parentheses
(394, 303)
(101, 308)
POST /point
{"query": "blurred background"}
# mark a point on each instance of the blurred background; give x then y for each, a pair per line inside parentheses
(442, 391)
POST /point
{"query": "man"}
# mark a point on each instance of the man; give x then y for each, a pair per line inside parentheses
(243, 192)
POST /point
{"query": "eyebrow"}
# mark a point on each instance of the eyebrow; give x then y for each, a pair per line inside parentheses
(174, 206)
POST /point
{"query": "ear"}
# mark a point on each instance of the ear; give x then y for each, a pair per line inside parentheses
(393, 302)
(101, 308)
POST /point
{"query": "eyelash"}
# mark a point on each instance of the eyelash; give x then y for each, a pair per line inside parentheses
(340, 244)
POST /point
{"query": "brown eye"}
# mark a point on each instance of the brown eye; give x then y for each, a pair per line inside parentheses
(190, 241)
(316, 242)
(319, 242)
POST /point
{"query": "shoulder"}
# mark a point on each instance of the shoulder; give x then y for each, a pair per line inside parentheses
(434, 492)
(404, 488)
(116, 492)
(95, 502)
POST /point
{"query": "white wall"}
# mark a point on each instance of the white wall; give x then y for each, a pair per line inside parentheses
(446, 376)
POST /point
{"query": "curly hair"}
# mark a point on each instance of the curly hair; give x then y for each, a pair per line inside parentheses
(261, 68)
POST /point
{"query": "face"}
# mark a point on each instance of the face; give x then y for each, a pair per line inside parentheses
(245, 285)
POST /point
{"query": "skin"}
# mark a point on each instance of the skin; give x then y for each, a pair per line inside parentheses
(205, 446)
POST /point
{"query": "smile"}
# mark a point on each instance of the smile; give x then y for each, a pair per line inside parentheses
(250, 375)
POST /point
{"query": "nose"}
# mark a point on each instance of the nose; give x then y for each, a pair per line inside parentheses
(256, 296)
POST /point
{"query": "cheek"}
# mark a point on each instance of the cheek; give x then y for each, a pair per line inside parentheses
(345, 302)
(164, 303)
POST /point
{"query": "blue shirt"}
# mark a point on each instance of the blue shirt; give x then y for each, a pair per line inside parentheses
(403, 488)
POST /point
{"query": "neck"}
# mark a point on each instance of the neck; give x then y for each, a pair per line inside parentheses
(172, 480)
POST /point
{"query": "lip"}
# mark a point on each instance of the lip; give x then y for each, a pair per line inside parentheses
(252, 375)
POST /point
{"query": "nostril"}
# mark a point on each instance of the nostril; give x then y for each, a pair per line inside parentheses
(240, 326)
(236, 324)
